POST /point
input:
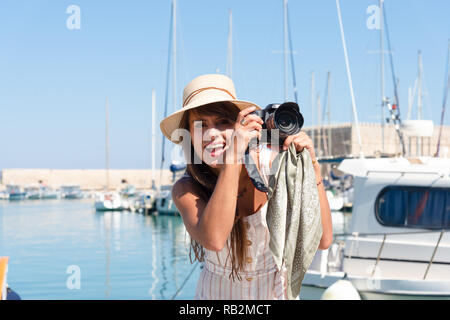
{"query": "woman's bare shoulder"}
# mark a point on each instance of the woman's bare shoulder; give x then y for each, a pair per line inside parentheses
(187, 197)
(186, 189)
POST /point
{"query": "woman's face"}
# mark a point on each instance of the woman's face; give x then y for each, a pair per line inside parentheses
(209, 136)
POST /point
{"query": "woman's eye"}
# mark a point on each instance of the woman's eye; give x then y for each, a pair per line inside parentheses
(199, 125)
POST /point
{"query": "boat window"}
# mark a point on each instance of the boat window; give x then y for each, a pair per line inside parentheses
(414, 207)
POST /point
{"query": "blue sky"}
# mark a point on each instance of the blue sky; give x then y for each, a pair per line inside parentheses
(54, 81)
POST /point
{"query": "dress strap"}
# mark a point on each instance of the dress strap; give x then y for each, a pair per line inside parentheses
(264, 162)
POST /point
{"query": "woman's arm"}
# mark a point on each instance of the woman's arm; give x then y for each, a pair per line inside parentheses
(301, 140)
(209, 223)
(327, 226)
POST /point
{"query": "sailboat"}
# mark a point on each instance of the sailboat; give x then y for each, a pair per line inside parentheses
(163, 198)
(108, 200)
(146, 201)
(398, 245)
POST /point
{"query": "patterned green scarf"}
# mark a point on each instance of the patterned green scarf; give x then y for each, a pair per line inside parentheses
(293, 215)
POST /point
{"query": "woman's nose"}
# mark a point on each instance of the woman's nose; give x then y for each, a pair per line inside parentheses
(211, 134)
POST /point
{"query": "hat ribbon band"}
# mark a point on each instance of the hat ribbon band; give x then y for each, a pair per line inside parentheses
(194, 93)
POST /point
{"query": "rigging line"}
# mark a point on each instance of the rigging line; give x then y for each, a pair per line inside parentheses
(391, 61)
(166, 102)
(291, 54)
(444, 102)
(427, 96)
(325, 100)
(350, 82)
(397, 120)
(325, 112)
(185, 280)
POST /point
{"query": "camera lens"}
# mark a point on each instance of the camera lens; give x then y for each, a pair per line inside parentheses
(288, 120)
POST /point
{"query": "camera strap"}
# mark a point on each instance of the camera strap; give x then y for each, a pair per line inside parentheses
(253, 172)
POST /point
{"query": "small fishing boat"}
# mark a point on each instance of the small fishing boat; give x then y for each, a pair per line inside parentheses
(49, 193)
(33, 192)
(15, 192)
(71, 192)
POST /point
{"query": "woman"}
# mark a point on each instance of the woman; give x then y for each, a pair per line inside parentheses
(221, 209)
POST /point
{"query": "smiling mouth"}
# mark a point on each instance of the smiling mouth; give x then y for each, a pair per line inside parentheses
(215, 149)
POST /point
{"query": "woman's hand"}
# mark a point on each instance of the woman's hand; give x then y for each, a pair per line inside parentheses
(247, 127)
(301, 140)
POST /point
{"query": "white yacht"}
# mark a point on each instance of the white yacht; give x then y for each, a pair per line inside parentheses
(110, 201)
(398, 244)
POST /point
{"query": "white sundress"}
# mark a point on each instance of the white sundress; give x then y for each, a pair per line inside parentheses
(261, 279)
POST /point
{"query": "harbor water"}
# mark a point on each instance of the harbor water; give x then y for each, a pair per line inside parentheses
(64, 249)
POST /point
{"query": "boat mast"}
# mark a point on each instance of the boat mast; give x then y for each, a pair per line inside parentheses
(313, 106)
(107, 144)
(153, 137)
(230, 46)
(419, 141)
(319, 125)
(349, 77)
(291, 53)
(174, 69)
(420, 93)
(326, 112)
(394, 108)
(166, 102)
(382, 75)
(444, 102)
(285, 43)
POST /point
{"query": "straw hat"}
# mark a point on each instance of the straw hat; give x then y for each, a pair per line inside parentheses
(203, 90)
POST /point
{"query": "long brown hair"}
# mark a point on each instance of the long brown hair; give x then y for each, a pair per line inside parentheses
(202, 174)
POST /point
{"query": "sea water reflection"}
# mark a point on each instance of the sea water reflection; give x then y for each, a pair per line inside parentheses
(119, 255)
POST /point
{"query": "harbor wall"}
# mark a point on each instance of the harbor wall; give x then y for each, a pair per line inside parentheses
(87, 179)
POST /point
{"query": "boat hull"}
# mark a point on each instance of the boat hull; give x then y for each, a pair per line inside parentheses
(165, 206)
(314, 285)
(17, 196)
(108, 205)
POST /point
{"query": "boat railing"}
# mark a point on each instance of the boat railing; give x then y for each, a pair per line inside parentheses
(385, 234)
(403, 173)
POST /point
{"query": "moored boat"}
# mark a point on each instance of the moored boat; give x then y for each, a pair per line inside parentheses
(71, 192)
(398, 245)
(110, 201)
(15, 192)
(163, 201)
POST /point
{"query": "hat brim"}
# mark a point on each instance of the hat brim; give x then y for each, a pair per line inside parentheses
(169, 124)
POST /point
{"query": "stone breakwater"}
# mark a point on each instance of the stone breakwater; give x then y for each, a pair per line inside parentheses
(87, 179)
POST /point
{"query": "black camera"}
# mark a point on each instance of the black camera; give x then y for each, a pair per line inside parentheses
(280, 120)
